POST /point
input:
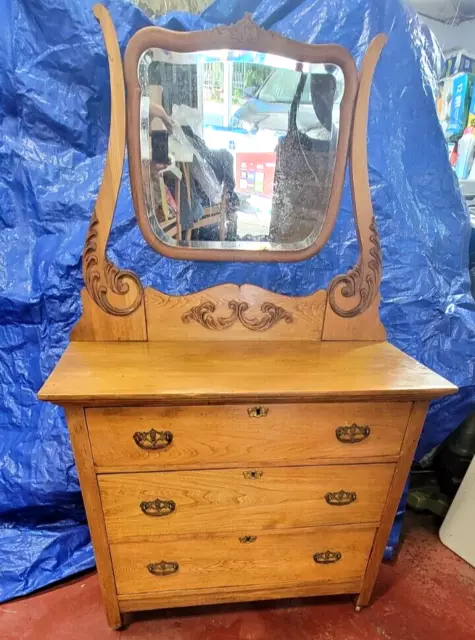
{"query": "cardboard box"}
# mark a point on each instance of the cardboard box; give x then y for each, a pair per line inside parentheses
(459, 62)
(459, 101)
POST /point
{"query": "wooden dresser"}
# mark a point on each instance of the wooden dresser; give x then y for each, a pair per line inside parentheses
(236, 444)
(239, 470)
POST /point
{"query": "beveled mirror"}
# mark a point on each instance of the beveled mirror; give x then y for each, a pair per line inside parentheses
(238, 140)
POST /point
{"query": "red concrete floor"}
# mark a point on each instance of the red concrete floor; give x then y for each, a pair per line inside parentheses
(428, 593)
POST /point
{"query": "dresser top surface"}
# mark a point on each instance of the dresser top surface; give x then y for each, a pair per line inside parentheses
(174, 372)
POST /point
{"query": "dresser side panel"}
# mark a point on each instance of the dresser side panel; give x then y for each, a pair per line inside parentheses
(401, 472)
(95, 518)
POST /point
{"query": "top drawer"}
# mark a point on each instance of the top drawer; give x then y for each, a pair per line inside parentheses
(236, 435)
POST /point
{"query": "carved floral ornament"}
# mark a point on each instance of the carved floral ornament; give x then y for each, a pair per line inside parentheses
(362, 282)
(243, 34)
(103, 279)
(203, 314)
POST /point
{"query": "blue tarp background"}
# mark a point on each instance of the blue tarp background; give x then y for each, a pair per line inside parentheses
(54, 110)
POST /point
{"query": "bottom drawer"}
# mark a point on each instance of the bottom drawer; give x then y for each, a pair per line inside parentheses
(332, 554)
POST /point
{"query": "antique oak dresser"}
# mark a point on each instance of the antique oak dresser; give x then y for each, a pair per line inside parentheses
(237, 444)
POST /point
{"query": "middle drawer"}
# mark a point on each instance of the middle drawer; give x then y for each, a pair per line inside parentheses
(175, 502)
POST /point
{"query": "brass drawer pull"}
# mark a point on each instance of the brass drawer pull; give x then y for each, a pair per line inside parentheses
(163, 568)
(153, 439)
(340, 498)
(247, 539)
(327, 557)
(158, 508)
(354, 433)
(258, 412)
(252, 475)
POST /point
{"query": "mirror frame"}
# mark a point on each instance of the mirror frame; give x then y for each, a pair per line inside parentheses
(243, 35)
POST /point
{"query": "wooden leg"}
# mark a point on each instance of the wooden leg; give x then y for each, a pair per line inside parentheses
(95, 518)
(411, 437)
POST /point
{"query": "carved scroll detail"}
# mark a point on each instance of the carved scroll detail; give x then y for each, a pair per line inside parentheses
(272, 315)
(101, 281)
(203, 314)
(360, 285)
(362, 281)
(103, 278)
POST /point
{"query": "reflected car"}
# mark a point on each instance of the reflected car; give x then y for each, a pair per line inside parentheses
(268, 106)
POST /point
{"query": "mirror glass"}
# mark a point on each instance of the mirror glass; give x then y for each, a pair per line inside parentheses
(238, 148)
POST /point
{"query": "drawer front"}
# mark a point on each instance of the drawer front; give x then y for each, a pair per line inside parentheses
(178, 502)
(174, 437)
(334, 554)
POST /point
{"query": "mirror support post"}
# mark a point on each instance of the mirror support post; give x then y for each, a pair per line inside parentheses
(115, 291)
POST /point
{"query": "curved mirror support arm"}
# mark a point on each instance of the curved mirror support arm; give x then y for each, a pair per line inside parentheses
(353, 293)
(115, 291)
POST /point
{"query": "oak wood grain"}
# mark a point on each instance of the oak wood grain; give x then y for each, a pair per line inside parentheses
(365, 326)
(169, 317)
(197, 597)
(332, 462)
(204, 372)
(95, 519)
(225, 435)
(273, 559)
(411, 438)
(116, 291)
(95, 325)
(353, 298)
(225, 500)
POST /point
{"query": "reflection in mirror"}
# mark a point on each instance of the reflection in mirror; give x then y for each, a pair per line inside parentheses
(238, 148)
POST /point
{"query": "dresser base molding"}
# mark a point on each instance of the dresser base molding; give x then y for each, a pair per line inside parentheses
(198, 597)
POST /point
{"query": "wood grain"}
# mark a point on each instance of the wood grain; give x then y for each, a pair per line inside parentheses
(351, 294)
(414, 428)
(224, 500)
(169, 316)
(115, 291)
(273, 560)
(206, 372)
(197, 597)
(330, 462)
(95, 325)
(226, 435)
(92, 502)
(366, 326)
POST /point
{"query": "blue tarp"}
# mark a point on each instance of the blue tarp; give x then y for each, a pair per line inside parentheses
(54, 109)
